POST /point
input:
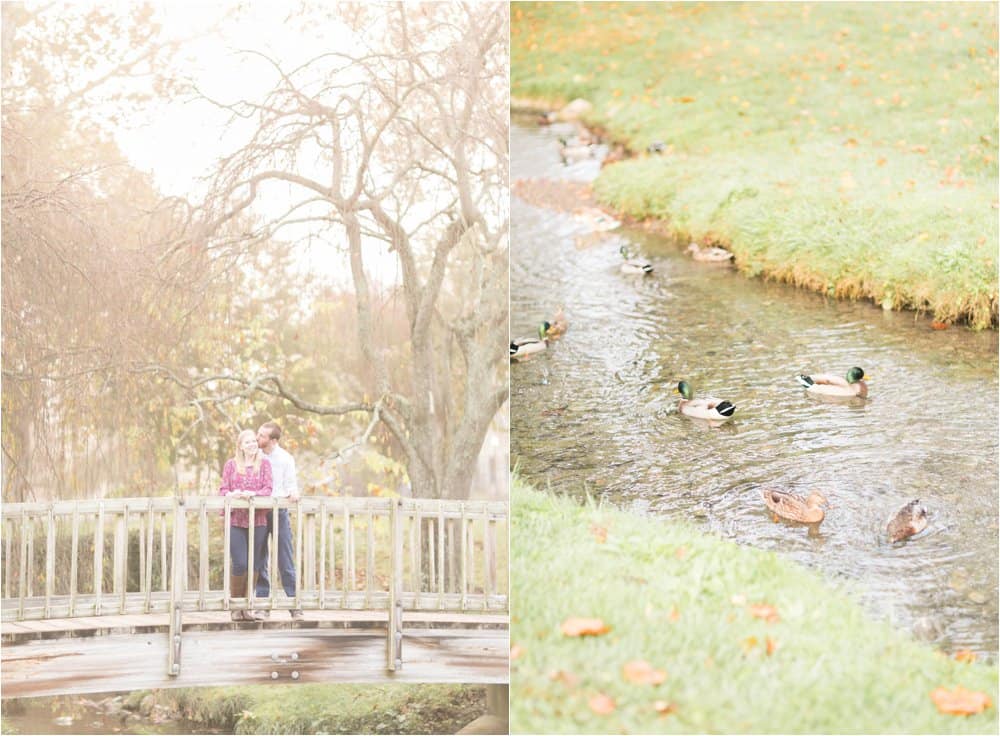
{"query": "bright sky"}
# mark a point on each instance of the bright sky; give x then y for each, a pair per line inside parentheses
(180, 141)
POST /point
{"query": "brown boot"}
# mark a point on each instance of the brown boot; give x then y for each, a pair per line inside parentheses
(237, 589)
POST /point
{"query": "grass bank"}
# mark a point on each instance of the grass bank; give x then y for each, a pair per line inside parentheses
(848, 148)
(389, 709)
(681, 601)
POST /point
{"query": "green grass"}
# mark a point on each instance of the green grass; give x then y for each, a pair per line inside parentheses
(848, 148)
(416, 709)
(834, 670)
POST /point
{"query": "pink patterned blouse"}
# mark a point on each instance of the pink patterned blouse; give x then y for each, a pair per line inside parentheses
(260, 483)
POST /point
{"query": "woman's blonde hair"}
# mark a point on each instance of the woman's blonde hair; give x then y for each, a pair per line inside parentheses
(241, 458)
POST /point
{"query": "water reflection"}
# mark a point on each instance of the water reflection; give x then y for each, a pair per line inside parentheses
(596, 412)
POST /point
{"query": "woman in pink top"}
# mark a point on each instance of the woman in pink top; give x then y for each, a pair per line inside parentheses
(247, 474)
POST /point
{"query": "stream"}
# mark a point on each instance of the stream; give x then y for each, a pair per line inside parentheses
(596, 413)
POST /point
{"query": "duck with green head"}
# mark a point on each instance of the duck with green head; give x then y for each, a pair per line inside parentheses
(828, 384)
(634, 265)
(717, 410)
(526, 346)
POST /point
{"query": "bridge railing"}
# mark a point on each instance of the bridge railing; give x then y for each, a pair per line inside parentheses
(136, 555)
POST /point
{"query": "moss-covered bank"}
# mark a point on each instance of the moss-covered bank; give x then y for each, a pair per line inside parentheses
(306, 709)
(681, 601)
(848, 148)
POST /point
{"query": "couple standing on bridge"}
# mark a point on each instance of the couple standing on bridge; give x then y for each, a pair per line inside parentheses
(260, 467)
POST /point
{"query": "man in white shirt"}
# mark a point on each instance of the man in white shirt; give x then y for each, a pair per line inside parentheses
(285, 486)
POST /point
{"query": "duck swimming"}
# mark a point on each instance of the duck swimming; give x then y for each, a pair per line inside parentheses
(794, 507)
(634, 265)
(827, 384)
(709, 254)
(525, 346)
(909, 520)
(708, 408)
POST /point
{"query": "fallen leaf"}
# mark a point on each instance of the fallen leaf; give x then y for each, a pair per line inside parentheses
(664, 708)
(681, 552)
(686, 99)
(516, 651)
(584, 627)
(965, 655)
(641, 672)
(935, 325)
(960, 702)
(674, 614)
(764, 611)
(600, 533)
(748, 644)
(771, 646)
(601, 704)
(563, 676)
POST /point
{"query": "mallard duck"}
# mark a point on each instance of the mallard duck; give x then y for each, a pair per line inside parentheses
(656, 147)
(525, 346)
(709, 254)
(557, 325)
(909, 520)
(708, 408)
(634, 265)
(596, 220)
(575, 150)
(827, 384)
(791, 506)
(547, 118)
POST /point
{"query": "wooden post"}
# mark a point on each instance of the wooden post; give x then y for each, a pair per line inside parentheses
(394, 641)
(98, 558)
(251, 562)
(203, 551)
(369, 557)
(462, 551)
(147, 542)
(8, 546)
(308, 553)
(30, 578)
(487, 561)
(164, 579)
(415, 557)
(123, 526)
(472, 552)
(178, 583)
(273, 547)
(440, 557)
(50, 559)
(73, 564)
(22, 582)
(298, 552)
(490, 554)
(226, 592)
(322, 553)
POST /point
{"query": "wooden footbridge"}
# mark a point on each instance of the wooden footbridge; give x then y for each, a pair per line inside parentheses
(123, 594)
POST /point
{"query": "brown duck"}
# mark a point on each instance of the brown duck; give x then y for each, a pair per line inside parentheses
(909, 520)
(794, 507)
(557, 325)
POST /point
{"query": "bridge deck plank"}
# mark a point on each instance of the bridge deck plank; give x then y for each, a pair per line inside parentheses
(233, 657)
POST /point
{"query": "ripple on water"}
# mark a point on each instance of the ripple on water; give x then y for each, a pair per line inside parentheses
(597, 412)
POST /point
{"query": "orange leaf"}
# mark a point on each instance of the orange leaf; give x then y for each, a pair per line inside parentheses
(771, 646)
(674, 614)
(641, 672)
(516, 651)
(965, 655)
(685, 99)
(748, 644)
(681, 552)
(584, 627)
(563, 676)
(764, 611)
(935, 325)
(600, 533)
(960, 702)
(601, 704)
(664, 708)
